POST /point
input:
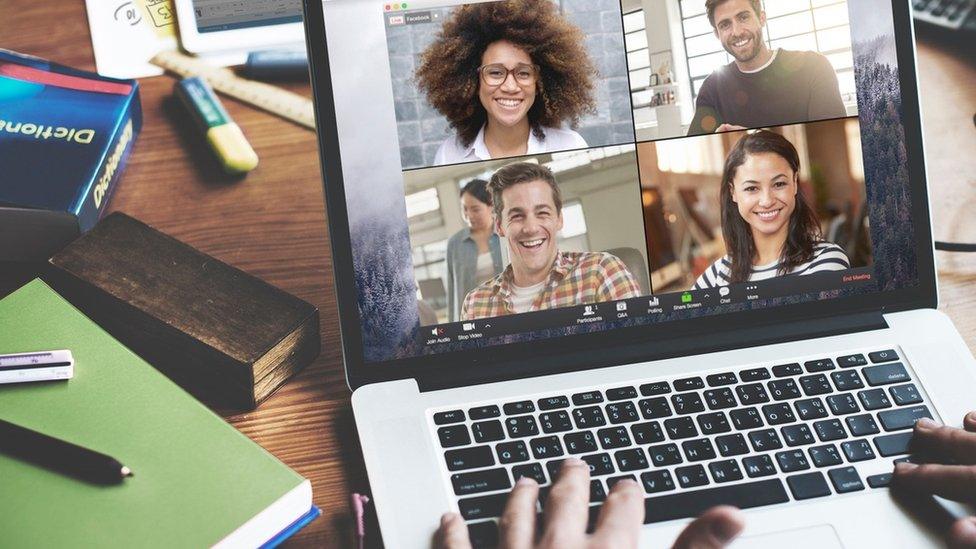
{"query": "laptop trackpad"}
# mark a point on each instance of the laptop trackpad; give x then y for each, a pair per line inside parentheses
(814, 537)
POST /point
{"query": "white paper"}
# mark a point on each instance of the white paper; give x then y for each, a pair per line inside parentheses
(126, 34)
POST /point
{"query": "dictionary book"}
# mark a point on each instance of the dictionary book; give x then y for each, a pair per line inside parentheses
(65, 136)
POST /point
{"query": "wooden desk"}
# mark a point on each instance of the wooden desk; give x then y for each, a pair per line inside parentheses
(273, 225)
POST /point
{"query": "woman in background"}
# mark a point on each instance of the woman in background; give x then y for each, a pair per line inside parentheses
(474, 254)
(508, 76)
(770, 230)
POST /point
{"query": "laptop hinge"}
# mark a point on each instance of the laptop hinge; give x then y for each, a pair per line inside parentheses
(658, 347)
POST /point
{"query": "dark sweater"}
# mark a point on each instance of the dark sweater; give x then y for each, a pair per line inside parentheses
(799, 86)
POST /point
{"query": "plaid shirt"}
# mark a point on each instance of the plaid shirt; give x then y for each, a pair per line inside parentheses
(575, 279)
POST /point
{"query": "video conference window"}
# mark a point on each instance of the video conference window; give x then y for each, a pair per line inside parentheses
(520, 235)
(748, 206)
(499, 79)
(701, 66)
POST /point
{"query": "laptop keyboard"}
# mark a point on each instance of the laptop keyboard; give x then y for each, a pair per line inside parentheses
(747, 437)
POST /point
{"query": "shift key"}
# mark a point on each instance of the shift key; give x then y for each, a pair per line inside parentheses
(480, 481)
(903, 418)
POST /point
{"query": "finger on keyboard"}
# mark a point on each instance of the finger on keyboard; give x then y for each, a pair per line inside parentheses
(517, 525)
(955, 482)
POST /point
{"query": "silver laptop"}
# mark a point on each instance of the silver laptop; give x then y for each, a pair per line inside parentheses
(687, 242)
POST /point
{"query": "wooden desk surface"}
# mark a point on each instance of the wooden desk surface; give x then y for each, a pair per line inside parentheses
(272, 224)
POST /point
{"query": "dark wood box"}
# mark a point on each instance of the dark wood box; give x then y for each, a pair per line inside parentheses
(227, 337)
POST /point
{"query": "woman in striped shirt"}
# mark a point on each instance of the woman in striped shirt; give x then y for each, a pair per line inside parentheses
(770, 230)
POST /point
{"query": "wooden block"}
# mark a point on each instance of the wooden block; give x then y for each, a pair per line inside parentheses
(224, 335)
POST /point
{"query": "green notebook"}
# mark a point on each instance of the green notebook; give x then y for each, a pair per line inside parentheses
(198, 481)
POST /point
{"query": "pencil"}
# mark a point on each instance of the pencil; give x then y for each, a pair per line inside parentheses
(60, 456)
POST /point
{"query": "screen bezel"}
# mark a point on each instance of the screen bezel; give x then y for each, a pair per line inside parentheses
(614, 347)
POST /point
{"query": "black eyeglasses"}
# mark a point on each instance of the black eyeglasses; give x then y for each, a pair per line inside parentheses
(496, 74)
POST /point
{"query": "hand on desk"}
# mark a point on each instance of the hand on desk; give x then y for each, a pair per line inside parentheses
(566, 512)
(950, 473)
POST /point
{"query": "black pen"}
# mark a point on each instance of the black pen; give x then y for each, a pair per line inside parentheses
(58, 455)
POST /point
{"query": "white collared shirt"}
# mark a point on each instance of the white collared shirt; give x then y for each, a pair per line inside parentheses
(556, 139)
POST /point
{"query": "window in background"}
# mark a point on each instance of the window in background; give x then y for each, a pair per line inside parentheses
(429, 264)
(813, 25)
(638, 56)
(574, 222)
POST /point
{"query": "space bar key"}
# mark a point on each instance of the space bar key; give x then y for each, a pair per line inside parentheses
(693, 503)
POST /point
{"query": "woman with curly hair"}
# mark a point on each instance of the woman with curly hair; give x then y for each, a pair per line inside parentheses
(508, 76)
(769, 227)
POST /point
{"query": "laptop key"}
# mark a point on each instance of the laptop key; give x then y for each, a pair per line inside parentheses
(657, 481)
(590, 397)
(725, 471)
(815, 385)
(691, 476)
(597, 492)
(752, 393)
(600, 464)
(482, 507)
(512, 452)
(647, 433)
(746, 418)
(787, 370)
(615, 437)
(689, 384)
(680, 427)
(516, 408)
(591, 416)
(893, 445)
(713, 423)
(883, 356)
(453, 416)
(851, 361)
(687, 403)
(580, 443)
(808, 486)
(903, 418)
(656, 388)
(692, 503)
(664, 454)
(886, 374)
(819, 365)
(811, 408)
(765, 440)
(857, 450)
(488, 480)
(754, 374)
(554, 467)
(825, 456)
(487, 431)
(454, 435)
(555, 422)
(469, 458)
(759, 466)
(862, 425)
(632, 459)
(483, 534)
(553, 403)
(622, 412)
(784, 389)
(546, 447)
(797, 435)
(778, 414)
(484, 412)
(521, 426)
(845, 480)
(829, 430)
(721, 380)
(847, 380)
(905, 394)
(531, 470)
(614, 480)
(654, 408)
(843, 404)
(791, 461)
(874, 399)
(720, 399)
(731, 445)
(880, 481)
(698, 450)
(621, 393)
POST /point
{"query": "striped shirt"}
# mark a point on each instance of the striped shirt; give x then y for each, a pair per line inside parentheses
(575, 279)
(826, 257)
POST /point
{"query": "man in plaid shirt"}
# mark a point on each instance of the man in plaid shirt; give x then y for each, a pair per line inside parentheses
(528, 214)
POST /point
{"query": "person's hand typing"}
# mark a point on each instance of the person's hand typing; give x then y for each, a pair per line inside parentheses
(566, 513)
(951, 472)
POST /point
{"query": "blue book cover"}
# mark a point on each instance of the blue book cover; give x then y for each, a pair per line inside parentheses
(65, 135)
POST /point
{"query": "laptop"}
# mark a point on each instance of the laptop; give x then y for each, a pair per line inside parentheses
(643, 317)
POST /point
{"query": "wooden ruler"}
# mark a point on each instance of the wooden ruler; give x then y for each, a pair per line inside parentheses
(273, 99)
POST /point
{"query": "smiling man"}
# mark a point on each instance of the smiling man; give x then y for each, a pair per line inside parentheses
(761, 87)
(528, 215)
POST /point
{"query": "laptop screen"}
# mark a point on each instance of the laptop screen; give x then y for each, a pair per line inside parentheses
(523, 170)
